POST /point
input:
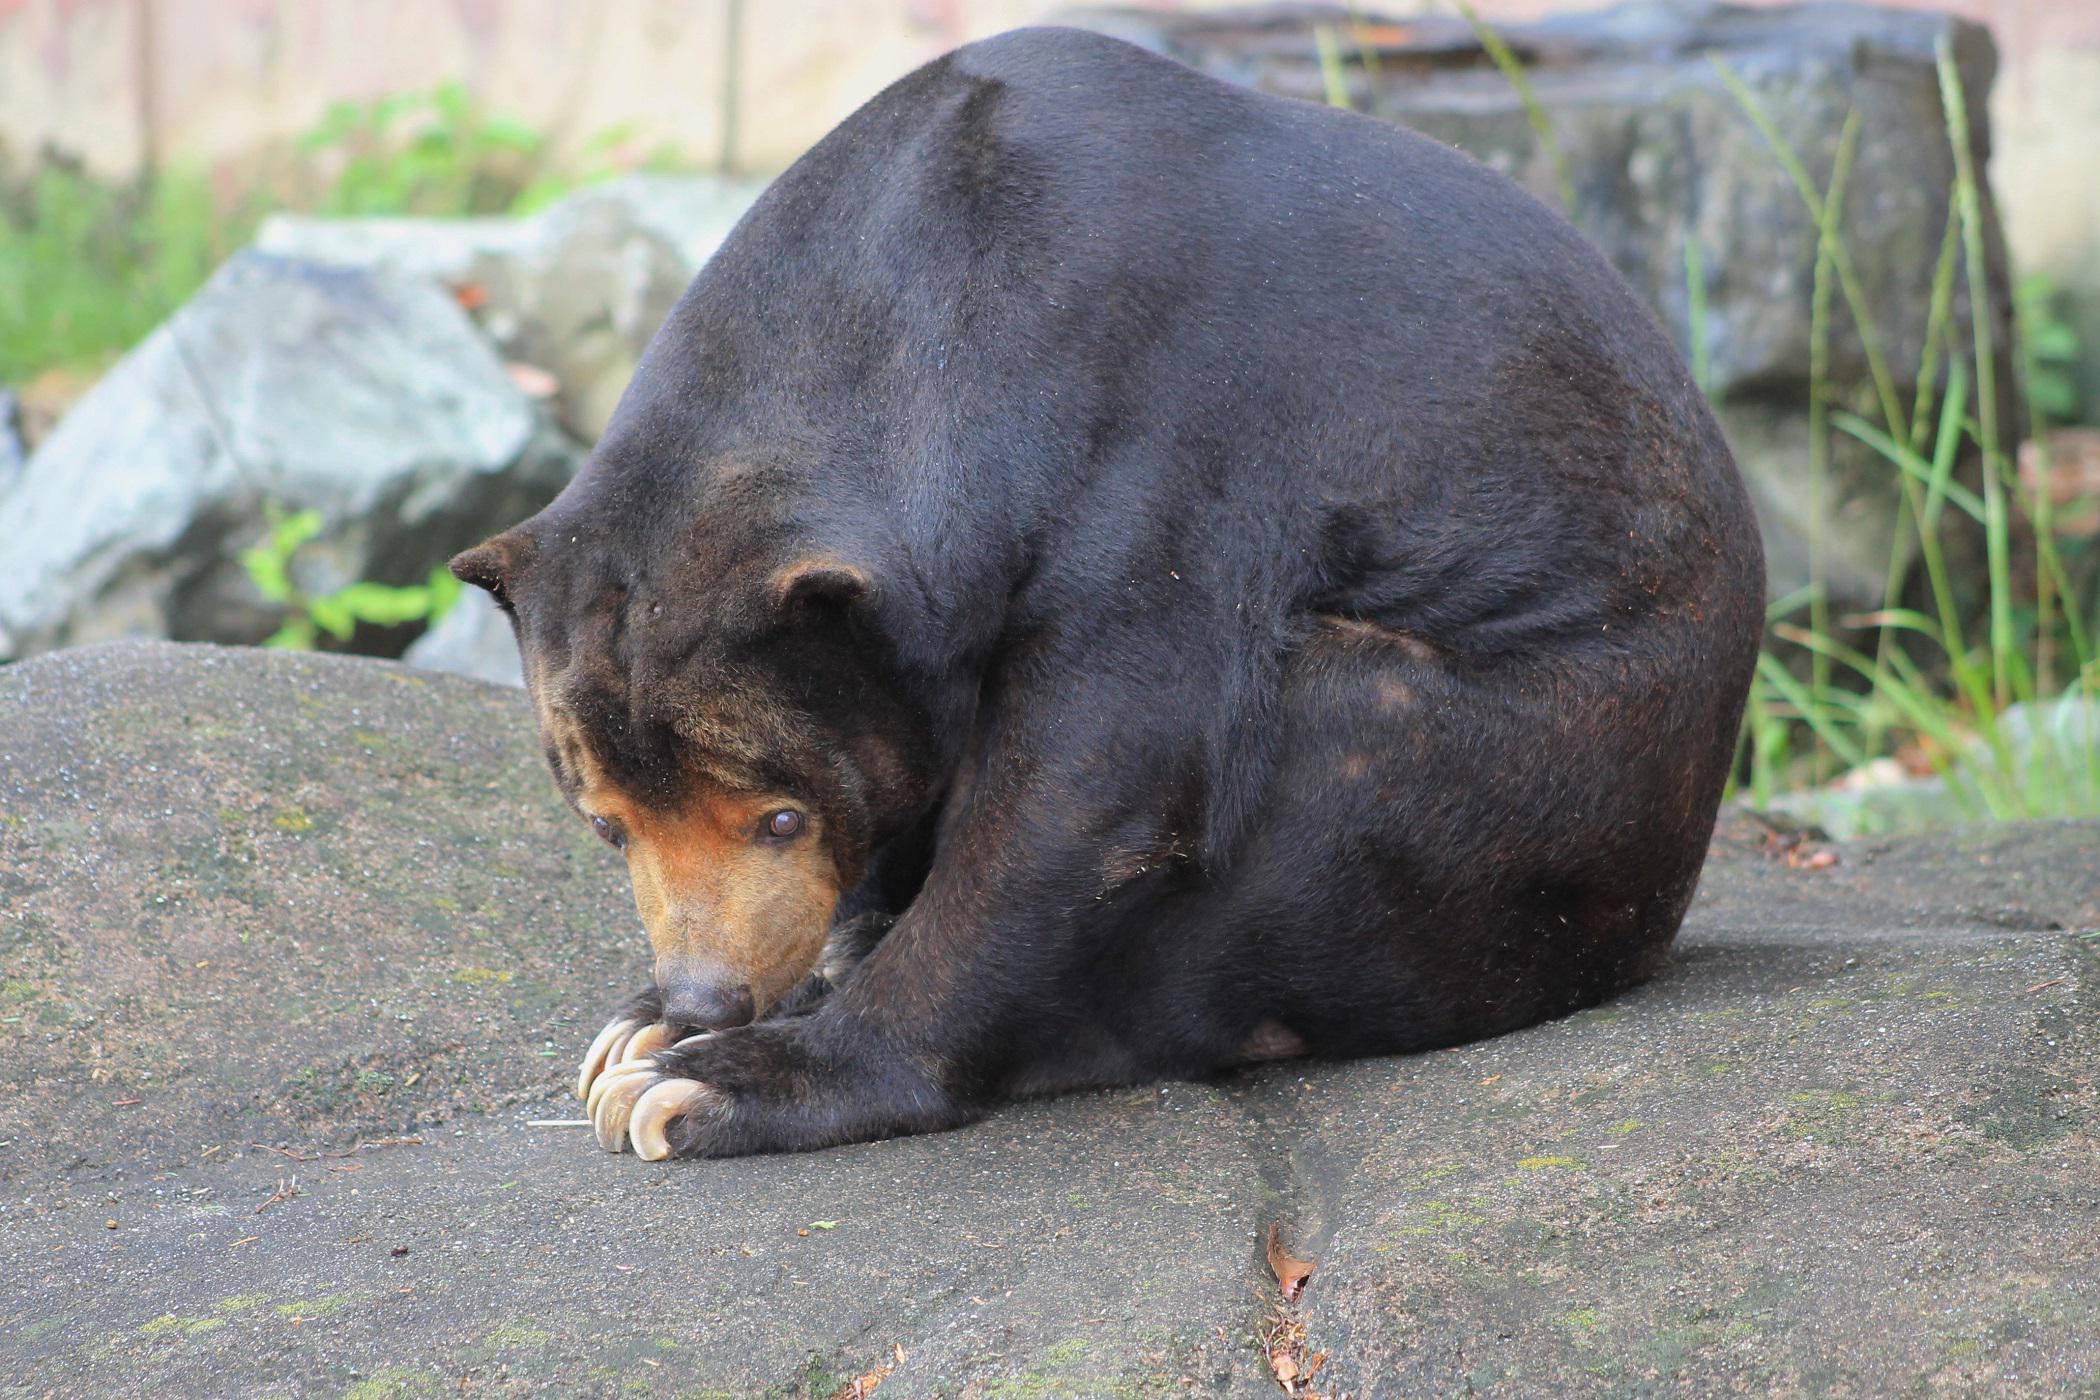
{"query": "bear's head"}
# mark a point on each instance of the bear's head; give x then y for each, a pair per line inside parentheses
(719, 706)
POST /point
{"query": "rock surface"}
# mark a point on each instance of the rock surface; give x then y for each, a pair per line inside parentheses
(260, 908)
(577, 289)
(1659, 158)
(365, 395)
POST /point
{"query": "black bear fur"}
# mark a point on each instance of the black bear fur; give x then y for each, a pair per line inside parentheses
(1258, 582)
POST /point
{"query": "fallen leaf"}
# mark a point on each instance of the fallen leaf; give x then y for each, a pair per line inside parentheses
(823, 1224)
(863, 1385)
(1291, 1272)
(1283, 1347)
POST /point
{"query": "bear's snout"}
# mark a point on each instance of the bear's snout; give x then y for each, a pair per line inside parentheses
(703, 999)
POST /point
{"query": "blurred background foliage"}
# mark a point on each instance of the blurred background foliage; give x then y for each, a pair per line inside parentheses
(88, 267)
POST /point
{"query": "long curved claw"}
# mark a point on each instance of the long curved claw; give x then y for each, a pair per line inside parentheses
(607, 1081)
(644, 1043)
(610, 1115)
(662, 1102)
(598, 1056)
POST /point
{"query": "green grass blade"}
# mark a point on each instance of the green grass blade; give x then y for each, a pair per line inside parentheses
(1695, 312)
(1909, 462)
(1997, 523)
(1512, 70)
(1818, 717)
(1848, 279)
(1334, 79)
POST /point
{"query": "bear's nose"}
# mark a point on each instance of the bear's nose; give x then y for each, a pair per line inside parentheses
(705, 1004)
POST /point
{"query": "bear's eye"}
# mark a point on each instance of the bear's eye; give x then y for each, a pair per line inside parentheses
(610, 834)
(784, 823)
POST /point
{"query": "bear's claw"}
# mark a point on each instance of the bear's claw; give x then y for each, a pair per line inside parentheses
(613, 1099)
(623, 1041)
(662, 1101)
(596, 1058)
(630, 1098)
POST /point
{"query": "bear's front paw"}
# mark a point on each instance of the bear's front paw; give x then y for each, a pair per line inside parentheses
(634, 1102)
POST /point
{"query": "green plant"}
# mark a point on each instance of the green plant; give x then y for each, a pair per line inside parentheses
(2051, 348)
(436, 153)
(1929, 686)
(440, 154)
(1512, 69)
(338, 613)
(87, 268)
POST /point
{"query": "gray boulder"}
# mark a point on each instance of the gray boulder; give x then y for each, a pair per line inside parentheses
(297, 953)
(365, 395)
(474, 639)
(1660, 157)
(576, 290)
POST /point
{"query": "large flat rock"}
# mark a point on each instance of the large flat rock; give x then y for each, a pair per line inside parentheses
(298, 952)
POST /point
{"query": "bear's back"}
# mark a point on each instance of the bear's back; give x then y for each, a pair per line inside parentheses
(1055, 282)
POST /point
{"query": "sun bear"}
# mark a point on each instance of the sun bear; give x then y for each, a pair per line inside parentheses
(1108, 575)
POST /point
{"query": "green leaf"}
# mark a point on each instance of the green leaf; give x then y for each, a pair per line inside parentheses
(332, 617)
(2052, 340)
(295, 635)
(451, 100)
(509, 134)
(2056, 396)
(444, 591)
(618, 134)
(383, 604)
(293, 531)
(266, 571)
(1910, 462)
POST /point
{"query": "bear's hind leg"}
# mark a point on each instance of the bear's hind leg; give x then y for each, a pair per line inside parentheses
(1452, 851)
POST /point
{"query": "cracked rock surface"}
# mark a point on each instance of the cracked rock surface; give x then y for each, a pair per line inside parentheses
(297, 950)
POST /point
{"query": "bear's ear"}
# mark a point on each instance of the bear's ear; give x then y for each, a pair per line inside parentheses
(820, 580)
(490, 565)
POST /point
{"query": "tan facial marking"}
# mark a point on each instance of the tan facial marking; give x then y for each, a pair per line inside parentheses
(712, 890)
